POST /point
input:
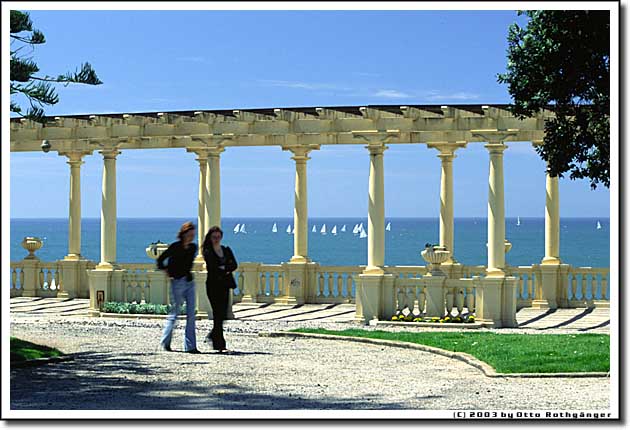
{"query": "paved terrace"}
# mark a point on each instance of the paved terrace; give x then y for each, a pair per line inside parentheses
(117, 365)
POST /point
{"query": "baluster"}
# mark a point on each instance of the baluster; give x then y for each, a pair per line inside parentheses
(583, 276)
(21, 278)
(241, 282)
(470, 297)
(330, 285)
(594, 286)
(13, 278)
(263, 283)
(521, 286)
(400, 299)
(280, 283)
(143, 285)
(41, 278)
(321, 284)
(573, 286)
(605, 293)
(421, 300)
(449, 301)
(49, 278)
(58, 279)
(339, 291)
(459, 301)
(409, 299)
(530, 286)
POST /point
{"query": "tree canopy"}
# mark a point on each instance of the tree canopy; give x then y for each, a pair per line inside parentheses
(561, 61)
(38, 90)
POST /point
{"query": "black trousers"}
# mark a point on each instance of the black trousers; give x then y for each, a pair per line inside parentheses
(218, 296)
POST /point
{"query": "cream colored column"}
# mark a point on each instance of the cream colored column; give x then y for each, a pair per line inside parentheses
(496, 211)
(213, 188)
(300, 209)
(376, 211)
(202, 158)
(74, 226)
(447, 222)
(552, 222)
(108, 210)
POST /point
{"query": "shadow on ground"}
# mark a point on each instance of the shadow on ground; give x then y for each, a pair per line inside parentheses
(100, 381)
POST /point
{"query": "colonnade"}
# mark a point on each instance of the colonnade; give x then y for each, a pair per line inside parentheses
(209, 201)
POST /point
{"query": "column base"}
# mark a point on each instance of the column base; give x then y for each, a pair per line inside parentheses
(551, 260)
(63, 295)
(299, 259)
(373, 270)
(495, 273)
(105, 266)
(73, 257)
(542, 304)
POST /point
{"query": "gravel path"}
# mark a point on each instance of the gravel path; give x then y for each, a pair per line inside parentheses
(118, 366)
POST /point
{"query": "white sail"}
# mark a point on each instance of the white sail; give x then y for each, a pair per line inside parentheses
(389, 226)
(274, 228)
(518, 220)
(334, 230)
(361, 227)
(293, 230)
(362, 233)
(323, 230)
(289, 229)
(343, 229)
(236, 228)
(598, 225)
(314, 229)
(355, 230)
(242, 230)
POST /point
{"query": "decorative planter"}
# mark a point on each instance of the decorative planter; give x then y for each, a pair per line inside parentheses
(32, 244)
(435, 256)
(156, 249)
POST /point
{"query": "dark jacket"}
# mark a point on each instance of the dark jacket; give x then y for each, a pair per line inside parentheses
(180, 260)
(218, 276)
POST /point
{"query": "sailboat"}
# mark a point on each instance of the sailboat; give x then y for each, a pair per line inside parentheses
(323, 230)
(389, 226)
(518, 220)
(362, 233)
(361, 227)
(236, 228)
(314, 229)
(242, 229)
(289, 229)
(343, 229)
(334, 230)
(274, 229)
(599, 226)
(293, 230)
(355, 230)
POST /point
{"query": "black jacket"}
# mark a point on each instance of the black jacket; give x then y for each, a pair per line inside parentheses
(180, 260)
(218, 276)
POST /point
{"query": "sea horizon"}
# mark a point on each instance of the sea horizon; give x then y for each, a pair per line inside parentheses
(582, 241)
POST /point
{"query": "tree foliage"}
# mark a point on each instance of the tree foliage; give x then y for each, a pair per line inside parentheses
(38, 90)
(561, 61)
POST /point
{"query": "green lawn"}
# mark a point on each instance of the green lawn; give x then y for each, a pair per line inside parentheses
(22, 350)
(509, 353)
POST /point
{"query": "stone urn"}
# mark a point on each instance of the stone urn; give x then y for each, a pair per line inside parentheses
(156, 249)
(435, 256)
(32, 244)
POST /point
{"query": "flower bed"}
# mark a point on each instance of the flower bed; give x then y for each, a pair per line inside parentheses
(467, 319)
(138, 308)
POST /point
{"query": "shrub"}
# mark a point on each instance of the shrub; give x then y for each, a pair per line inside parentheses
(139, 308)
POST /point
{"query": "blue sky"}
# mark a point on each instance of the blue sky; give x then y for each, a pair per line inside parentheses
(195, 60)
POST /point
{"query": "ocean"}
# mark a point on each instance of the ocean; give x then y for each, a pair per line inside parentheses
(581, 243)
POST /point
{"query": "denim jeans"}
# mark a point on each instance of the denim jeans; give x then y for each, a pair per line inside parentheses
(181, 291)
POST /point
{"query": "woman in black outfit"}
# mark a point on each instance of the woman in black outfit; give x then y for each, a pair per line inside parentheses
(220, 263)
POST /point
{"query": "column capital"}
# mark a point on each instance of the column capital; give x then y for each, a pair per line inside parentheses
(495, 148)
(300, 152)
(110, 153)
(376, 137)
(447, 149)
(377, 148)
(75, 156)
(494, 136)
(215, 151)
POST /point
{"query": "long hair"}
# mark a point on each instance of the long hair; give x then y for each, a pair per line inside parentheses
(186, 227)
(206, 240)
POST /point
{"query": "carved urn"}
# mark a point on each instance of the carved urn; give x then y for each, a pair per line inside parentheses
(435, 256)
(32, 244)
(156, 249)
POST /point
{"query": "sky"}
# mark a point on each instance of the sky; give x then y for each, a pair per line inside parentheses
(196, 60)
